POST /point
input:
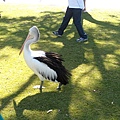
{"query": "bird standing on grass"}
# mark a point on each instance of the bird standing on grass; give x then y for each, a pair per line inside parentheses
(46, 65)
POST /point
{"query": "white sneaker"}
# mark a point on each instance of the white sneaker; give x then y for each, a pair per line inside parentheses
(82, 39)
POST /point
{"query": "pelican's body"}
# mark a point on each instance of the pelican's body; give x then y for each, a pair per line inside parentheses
(46, 65)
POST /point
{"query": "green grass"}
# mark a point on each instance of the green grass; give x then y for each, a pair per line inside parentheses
(94, 89)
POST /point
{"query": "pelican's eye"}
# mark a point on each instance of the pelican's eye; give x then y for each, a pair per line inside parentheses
(31, 36)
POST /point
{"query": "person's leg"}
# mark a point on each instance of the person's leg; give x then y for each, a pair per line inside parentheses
(77, 21)
(65, 21)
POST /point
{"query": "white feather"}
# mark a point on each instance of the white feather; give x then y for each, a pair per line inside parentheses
(39, 68)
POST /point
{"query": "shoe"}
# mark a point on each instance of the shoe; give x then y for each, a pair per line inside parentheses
(82, 39)
(56, 33)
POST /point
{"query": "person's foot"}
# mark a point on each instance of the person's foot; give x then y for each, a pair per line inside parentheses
(56, 33)
(82, 39)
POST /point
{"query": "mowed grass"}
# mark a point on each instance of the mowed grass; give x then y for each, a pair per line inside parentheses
(94, 89)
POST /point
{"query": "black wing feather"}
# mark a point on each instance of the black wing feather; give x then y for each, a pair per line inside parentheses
(54, 61)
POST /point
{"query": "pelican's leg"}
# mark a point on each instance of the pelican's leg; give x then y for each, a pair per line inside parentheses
(59, 86)
(41, 86)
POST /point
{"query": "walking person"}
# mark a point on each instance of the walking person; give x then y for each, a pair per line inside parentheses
(74, 9)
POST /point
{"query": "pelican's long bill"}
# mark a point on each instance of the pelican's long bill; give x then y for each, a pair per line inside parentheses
(28, 36)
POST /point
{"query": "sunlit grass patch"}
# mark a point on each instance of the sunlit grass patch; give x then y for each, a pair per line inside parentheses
(94, 89)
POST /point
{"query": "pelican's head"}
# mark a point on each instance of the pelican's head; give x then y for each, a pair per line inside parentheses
(33, 35)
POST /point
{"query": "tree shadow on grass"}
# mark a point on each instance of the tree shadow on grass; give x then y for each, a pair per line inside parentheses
(5, 101)
(104, 29)
(107, 92)
(74, 55)
(8, 41)
(44, 102)
(12, 34)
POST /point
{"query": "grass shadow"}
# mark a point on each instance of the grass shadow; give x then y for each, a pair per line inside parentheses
(44, 102)
(5, 101)
(102, 94)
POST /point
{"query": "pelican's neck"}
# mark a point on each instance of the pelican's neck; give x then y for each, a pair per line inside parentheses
(27, 48)
(29, 42)
(36, 36)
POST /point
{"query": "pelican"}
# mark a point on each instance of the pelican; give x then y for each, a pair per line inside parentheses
(46, 65)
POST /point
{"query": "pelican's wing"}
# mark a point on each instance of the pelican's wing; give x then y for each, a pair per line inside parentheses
(53, 63)
(43, 69)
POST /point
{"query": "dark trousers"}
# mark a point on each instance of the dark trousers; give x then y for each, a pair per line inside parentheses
(76, 14)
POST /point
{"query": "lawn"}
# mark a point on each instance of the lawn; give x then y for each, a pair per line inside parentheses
(93, 92)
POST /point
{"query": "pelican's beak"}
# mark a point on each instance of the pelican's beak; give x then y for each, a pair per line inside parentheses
(28, 36)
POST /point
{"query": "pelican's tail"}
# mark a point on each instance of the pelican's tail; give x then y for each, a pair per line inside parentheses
(56, 64)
